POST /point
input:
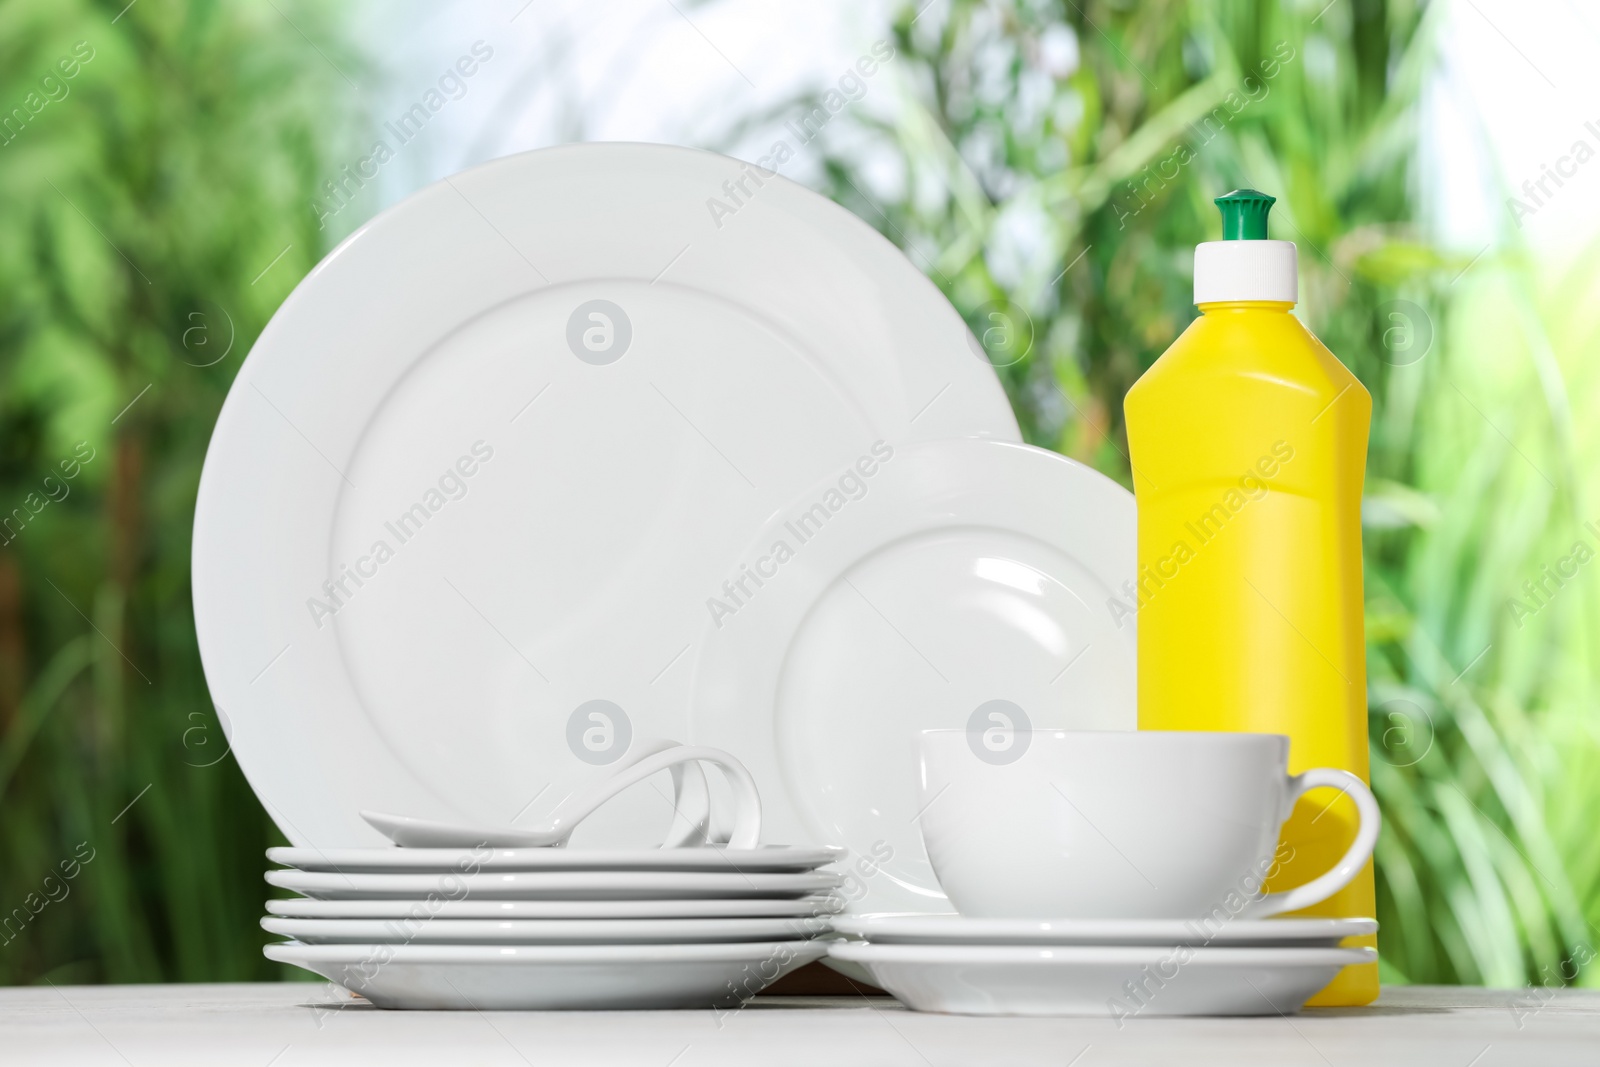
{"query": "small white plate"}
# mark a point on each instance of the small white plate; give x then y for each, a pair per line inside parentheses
(775, 908)
(965, 584)
(426, 860)
(1117, 983)
(955, 930)
(543, 931)
(551, 978)
(552, 885)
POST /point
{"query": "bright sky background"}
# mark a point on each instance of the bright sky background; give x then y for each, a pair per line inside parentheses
(645, 70)
(1520, 77)
(1519, 81)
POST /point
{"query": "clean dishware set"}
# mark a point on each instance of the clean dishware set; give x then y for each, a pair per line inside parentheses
(1113, 872)
(550, 463)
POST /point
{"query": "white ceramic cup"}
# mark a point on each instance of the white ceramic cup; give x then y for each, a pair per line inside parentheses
(1135, 824)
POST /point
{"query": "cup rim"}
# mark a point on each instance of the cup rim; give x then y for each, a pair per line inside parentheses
(1141, 738)
(1193, 736)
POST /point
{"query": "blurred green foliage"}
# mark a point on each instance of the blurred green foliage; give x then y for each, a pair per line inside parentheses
(1050, 167)
(156, 172)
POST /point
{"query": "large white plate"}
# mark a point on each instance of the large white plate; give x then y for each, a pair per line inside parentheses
(964, 572)
(422, 860)
(519, 508)
(1113, 983)
(711, 908)
(542, 931)
(551, 885)
(552, 978)
(955, 930)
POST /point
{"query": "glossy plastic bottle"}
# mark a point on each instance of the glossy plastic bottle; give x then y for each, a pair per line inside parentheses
(1248, 440)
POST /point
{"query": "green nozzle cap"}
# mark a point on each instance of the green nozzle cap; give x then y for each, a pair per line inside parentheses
(1244, 215)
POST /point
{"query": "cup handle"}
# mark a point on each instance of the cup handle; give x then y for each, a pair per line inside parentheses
(691, 800)
(1340, 875)
(746, 799)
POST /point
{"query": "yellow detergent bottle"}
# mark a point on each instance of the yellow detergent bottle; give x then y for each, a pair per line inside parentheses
(1249, 441)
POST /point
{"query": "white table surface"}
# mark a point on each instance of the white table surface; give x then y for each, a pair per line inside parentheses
(295, 1024)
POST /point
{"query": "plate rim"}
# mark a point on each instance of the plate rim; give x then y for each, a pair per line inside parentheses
(960, 930)
(719, 951)
(285, 878)
(811, 906)
(1092, 955)
(447, 860)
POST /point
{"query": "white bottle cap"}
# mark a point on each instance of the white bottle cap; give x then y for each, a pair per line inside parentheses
(1246, 270)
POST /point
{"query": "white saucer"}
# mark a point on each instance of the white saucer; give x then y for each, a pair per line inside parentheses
(415, 860)
(1116, 983)
(757, 908)
(965, 579)
(542, 931)
(552, 885)
(550, 978)
(955, 930)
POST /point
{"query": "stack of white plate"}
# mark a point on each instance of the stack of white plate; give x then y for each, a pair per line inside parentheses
(1119, 968)
(552, 928)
